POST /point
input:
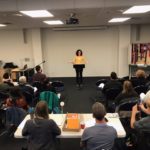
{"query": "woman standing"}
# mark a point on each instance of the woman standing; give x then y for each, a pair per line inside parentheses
(79, 64)
(41, 130)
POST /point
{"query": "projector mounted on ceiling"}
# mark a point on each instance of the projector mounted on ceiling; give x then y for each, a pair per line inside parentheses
(73, 19)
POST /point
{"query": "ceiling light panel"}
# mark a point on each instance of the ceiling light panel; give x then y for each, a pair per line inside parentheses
(37, 13)
(2, 25)
(137, 9)
(113, 20)
(54, 22)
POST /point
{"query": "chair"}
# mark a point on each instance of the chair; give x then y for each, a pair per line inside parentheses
(28, 97)
(14, 117)
(58, 85)
(110, 95)
(52, 100)
(38, 85)
(124, 110)
(125, 107)
(143, 140)
(140, 89)
(101, 81)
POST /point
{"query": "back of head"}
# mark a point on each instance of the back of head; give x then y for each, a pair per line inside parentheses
(22, 80)
(113, 76)
(6, 76)
(41, 110)
(140, 73)
(127, 87)
(98, 111)
(38, 68)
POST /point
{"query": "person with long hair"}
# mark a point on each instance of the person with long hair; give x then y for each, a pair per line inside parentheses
(127, 92)
(79, 64)
(41, 130)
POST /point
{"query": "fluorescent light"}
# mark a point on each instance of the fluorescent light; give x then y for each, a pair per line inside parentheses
(118, 19)
(53, 22)
(2, 25)
(137, 9)
(37, 13)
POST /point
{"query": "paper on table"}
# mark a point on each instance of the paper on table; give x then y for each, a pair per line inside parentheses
(112, 115)
(59, 120)
(117, 126)
(90, 123)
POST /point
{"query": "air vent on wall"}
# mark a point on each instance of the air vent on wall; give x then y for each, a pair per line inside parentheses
(76, 28)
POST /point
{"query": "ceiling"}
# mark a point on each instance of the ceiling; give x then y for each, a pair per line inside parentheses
(89, 12)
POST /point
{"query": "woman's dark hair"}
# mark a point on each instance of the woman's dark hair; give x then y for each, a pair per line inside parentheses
(127, 87)
(6, 75)
(37, 68)
(77, 52)
(99, 111)
(41, 110)
(113, 75)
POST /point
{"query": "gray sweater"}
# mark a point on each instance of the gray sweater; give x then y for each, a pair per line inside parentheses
(41, 134)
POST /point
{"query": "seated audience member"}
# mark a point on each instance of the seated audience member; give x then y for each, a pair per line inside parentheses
(24, 86)
(113, 83)
(140, 78)
(14, 114)
(39, 76)
(47, 86)
(127, 92)
(101, 136)
(143, 123)
(6, 83)
(41, 130)
(19, 98)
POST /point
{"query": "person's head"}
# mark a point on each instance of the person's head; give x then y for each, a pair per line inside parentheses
(38, 68)
(79, 52)
(140, 73)
(147, 99)
(98, 111)
(6, 75)
(113, 75)
(41, 110)
(15, 95)
(22, 80)
(127, 87)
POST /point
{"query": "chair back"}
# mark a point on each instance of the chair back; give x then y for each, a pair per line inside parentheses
(124, 109)
(38, 85)
(143, 140)
(52, 101)
(28, 97)
(140, 89)
(14, 115)
(58, 85)
(112, 93)
(101, 81)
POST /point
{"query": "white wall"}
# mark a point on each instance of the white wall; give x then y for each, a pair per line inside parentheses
(123, 45)
(99, 46)
(105, 50)
(14, 49)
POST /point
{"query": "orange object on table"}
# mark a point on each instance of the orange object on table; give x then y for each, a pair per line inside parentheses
(72, 122)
